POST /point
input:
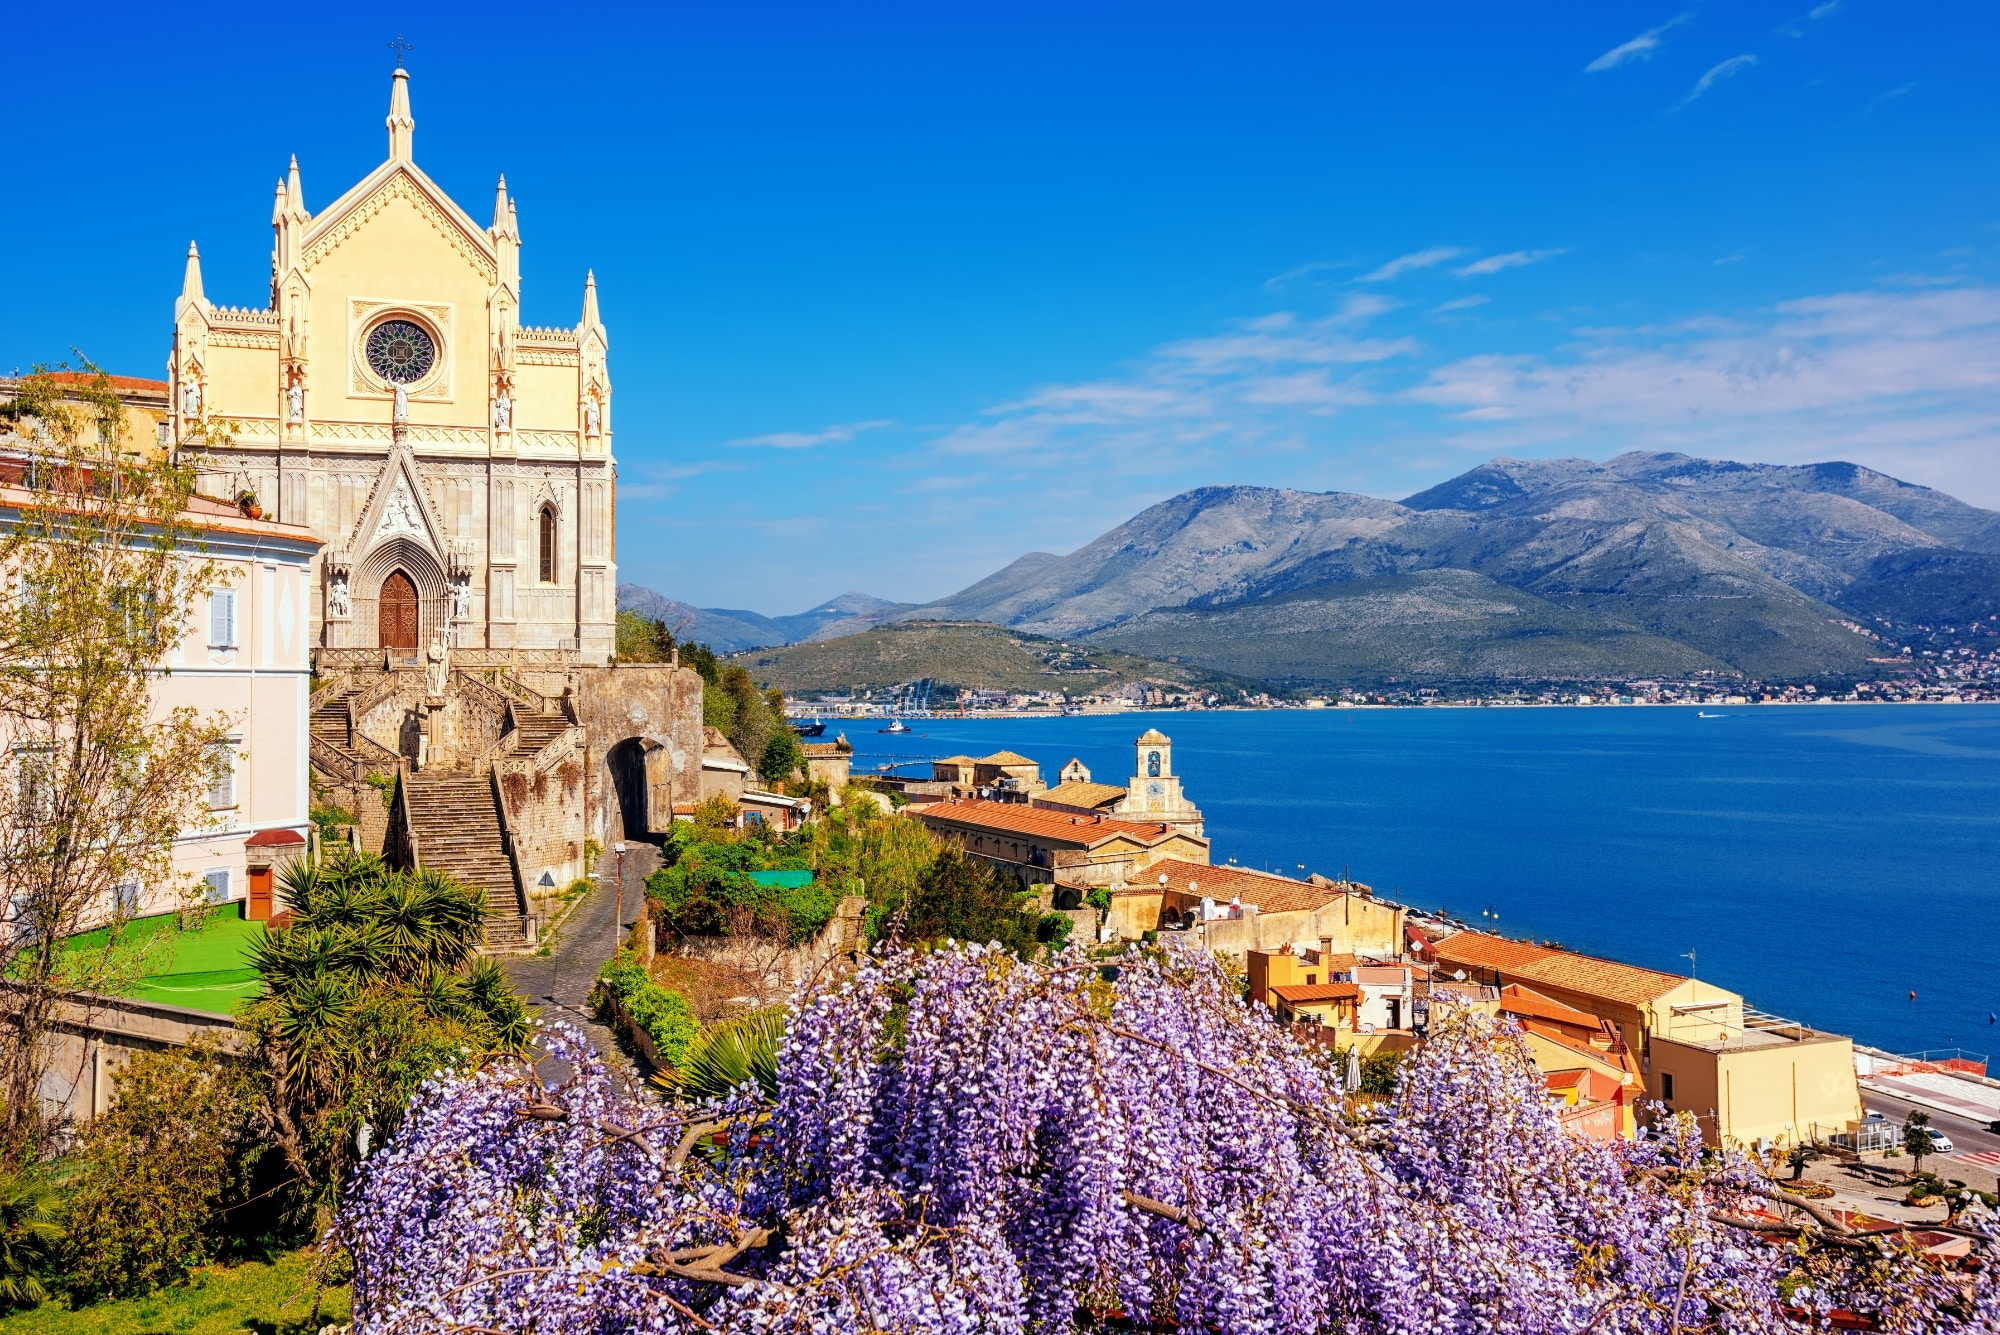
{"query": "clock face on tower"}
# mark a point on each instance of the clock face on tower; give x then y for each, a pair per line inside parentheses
(1154, 789)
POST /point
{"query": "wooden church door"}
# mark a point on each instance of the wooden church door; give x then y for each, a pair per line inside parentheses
(397, 618)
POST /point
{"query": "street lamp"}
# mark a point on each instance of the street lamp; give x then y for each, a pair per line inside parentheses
(618, 901)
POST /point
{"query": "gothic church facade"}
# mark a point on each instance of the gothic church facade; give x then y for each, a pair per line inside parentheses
(456, 464)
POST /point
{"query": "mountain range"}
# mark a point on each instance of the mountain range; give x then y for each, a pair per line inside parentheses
(1645, 564)
(732, 629)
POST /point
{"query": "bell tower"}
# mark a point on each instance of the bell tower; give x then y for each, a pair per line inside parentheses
(1154, 793)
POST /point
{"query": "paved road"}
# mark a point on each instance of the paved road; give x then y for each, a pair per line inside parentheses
(1968, 1135)
(559, 982)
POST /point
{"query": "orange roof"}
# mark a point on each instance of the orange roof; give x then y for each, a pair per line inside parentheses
(1005, 758)
(1518, 1000)
(1052, 826)
(1488, 952)
(1074, 794)
(1269, 892)
(1586, 974)
(1300, 993)
(130, 382)
(1564, 1079)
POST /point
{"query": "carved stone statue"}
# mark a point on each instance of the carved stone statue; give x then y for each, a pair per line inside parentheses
(503, 412)
(402, 404)
(295, 403)
(336, 597)
(191, 398)
(461, 600)
(590, 417)
(438, 666)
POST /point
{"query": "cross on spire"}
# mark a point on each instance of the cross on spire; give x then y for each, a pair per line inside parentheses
(399, 46)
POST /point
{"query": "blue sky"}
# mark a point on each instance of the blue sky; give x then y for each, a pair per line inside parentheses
(898, 293)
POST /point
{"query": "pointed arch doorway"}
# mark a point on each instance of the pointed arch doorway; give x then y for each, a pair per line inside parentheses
(396, 619)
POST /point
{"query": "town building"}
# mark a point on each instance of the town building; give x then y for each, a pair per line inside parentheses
(1237, 910)
(1750, 1079)
(147, 430)
(455, 463)
(242, 655)
(829, 763)
(1071, 854)
(1584, 1062)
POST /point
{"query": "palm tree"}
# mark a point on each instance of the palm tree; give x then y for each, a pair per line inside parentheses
(29, 1235)
(724, 1056)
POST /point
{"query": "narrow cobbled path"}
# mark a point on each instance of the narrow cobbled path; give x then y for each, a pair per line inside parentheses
(558, 984)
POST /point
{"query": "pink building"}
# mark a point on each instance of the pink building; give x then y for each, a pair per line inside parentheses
(245, 653)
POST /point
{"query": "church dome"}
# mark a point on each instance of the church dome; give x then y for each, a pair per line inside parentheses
(1153, 737)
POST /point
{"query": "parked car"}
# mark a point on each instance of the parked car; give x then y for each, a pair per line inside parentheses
(1994, 1127)
(1940, 1142)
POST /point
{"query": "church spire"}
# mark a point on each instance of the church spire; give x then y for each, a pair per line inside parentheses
(295, 191)
(590, 320)
(278, 206)
(401, 127)
(191, 284)
(500, 205)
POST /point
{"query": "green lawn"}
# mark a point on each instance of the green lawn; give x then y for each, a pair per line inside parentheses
(204, 970)
(220, 1300)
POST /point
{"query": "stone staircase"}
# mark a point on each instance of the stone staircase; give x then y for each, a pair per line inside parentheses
(456, 821)
(537, 730)
(329, 720)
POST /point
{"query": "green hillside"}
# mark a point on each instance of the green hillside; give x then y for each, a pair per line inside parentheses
(970, 654)
(1436, 625)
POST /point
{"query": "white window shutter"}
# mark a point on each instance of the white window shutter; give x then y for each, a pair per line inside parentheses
(222, 618)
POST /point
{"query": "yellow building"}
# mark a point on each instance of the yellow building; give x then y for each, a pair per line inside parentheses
(147, 428)
(1237, 910)
(1747, 1077)
(456, 463)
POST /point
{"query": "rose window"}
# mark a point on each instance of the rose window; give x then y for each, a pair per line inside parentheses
(400, 352)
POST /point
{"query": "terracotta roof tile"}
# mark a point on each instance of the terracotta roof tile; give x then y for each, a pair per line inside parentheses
(1053, 826)
(1081, 794)
(1297, 993)
(1222, 883)
(1005, 758)
(1518, 1000)
(1528, 962)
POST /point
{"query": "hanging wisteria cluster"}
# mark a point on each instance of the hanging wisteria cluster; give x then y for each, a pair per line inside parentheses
(963, 1142)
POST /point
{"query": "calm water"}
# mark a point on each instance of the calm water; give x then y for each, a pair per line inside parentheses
(1824, 861)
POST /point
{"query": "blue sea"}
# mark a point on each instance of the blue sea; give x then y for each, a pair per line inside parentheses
(1825, 861)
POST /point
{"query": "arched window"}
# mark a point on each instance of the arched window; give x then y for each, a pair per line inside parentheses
(548, 535)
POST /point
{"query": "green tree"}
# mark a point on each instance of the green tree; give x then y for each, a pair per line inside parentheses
(1917, 1137)
(962, 899)
(375, 985)
(100, 781)
(643, 639)
(783, 755)
(154, 1169)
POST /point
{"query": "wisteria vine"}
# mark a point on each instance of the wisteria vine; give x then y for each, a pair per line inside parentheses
(963, 1142)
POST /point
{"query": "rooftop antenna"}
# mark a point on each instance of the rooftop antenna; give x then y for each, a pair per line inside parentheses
(399, 46)
(1689, 957)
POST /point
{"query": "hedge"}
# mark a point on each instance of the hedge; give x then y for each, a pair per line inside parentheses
(662, 1012)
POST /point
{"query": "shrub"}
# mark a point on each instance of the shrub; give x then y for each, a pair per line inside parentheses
(30, 1236)
(724, 1056)
(662, 1012)
(155, 1167)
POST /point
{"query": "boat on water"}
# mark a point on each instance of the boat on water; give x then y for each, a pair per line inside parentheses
(809, 727)
(895, 725)
(1703, 713)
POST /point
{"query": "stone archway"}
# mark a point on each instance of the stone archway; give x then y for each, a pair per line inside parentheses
(375, 580)
(627, 763)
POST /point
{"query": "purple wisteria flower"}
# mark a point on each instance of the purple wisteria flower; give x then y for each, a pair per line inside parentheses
(962, 1142)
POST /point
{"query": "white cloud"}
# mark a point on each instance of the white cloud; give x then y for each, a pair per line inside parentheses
(838, 434)
(1292, 275)
(1798, 27)
(1889, 96)
(1906, 381)
(1714, 75)
(1641, 47)
(1461, 304)
(1513, 259)
(1418, 259)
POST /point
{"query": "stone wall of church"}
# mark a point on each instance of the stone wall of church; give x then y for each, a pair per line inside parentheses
(629, 710)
